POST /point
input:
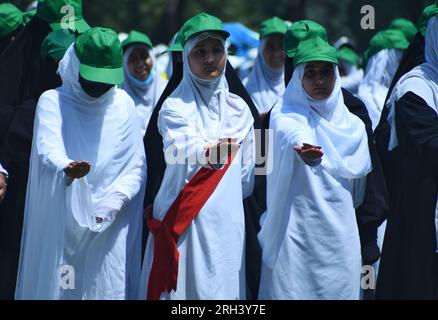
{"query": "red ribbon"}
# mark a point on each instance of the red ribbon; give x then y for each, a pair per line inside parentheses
(164, 273)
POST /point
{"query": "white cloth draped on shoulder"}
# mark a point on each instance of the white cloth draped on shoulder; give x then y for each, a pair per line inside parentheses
(379, 73)
(60, 232)
(144, 93)
(309, 238)
(352, 80)
(422, 80)
(211, 251)
(264, 84)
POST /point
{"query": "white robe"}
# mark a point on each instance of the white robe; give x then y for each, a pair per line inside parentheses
(264, 85)
(60, 235)
(309, 237)
(351, 81)
(211, 250)
(145, 96)
(379, 73)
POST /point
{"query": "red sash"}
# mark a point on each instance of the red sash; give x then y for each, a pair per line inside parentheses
(164, 273)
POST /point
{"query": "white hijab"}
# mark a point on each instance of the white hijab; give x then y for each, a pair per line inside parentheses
(60, 226)
(329, 124)
(422, 80)
(379, 73)
(208, 104)
(144, 93)
(353, 78)
(264, 84)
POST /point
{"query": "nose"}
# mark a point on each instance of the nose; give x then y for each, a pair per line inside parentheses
(209, 58)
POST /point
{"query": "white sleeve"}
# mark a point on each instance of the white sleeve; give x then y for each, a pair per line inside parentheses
(359, 185)
(248, 163)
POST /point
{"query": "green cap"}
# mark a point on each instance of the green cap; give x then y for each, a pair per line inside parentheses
(176, 46)
(56, 44)
(271, 26)
(201, 23)
(10, 19)
(349, 55)
(315, 49)
(387, 39)
(428, 13)
(136, 37)
(28, 15)
(404, 25)
(100, 55)
(302, 30)
(54, 11)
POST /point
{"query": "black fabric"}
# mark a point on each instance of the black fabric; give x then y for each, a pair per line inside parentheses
(408, 268)
(411, 58)
(94, 89)
(254, 205)
(9, 38)
(24, 76)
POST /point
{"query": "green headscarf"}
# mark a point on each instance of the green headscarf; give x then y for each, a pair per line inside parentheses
(100, 55)
(201, 23)
(387, 39)
(10, 19)
(299, 31)
(138, 38)
(272, 26)
(52, 12)
(349, 55)
(404, 25)
(428, 12)
(56, 44)
(315, 49)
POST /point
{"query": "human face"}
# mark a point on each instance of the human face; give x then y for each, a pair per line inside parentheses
(140, 63)
(273, 53)
(319, 79)
(207, 59)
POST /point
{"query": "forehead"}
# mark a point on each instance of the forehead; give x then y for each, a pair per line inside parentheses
(275, 39)
(209, 42)
(139, 50)
(318, 65)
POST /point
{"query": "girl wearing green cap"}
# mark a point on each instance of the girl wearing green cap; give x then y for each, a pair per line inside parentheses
(384, 54)
(408, 269)
(351, 73)
(265, 83)
(200, 198)
(309, 236)
(141, 80)
(84, 205)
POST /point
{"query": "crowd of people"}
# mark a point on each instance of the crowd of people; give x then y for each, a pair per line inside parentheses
(132, 171)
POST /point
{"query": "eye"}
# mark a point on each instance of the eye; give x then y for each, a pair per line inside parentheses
(309, 73)
(218, 50)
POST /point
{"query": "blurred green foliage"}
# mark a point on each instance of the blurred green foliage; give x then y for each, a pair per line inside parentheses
(161, 18)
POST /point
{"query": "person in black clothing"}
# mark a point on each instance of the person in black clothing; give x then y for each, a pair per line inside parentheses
(409, 264)
(24, 76)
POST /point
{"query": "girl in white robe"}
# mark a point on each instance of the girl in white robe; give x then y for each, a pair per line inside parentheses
(145, 93)
(197, 114)
(66, 253)
(309, 237)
